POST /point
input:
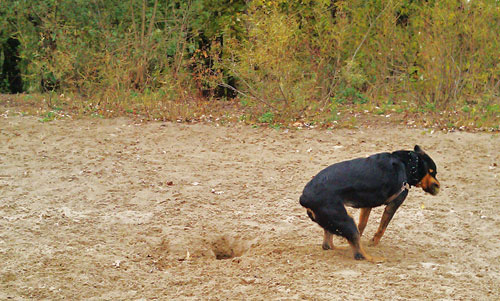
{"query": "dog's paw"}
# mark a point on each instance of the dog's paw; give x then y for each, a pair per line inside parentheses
(326, 246)
(359, 256)
(374, 242)
(369, 258)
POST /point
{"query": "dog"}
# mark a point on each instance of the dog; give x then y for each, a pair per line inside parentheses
(365, 183)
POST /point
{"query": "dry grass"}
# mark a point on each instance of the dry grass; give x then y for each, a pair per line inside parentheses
(152, 108)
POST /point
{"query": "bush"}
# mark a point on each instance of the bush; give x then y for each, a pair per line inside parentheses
(286, 57)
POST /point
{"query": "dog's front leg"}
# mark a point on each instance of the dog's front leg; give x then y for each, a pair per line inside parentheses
(384, 222)
(389, 211)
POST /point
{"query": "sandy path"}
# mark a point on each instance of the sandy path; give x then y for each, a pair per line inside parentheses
(106, 210)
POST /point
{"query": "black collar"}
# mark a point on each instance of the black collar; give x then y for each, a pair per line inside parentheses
(412, 173)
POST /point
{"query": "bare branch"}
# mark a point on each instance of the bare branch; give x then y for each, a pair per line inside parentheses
(152, 21)
(369, 29)
(283, 94)
(133, 19)
(143, 26)
(249, 96)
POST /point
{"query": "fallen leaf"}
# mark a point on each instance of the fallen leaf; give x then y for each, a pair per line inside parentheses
(217, 192)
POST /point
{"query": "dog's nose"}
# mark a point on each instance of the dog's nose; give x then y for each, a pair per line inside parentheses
(434, 188)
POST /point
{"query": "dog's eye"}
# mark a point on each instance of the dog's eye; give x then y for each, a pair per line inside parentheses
(432, 172)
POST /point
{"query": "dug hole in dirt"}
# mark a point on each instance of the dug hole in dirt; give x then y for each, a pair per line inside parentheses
(110, 209)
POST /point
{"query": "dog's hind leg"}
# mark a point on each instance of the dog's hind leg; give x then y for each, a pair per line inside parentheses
(364, 213)
(328, 241)
(349, 230)
(335, 220)
(360, 254)
(328, 236)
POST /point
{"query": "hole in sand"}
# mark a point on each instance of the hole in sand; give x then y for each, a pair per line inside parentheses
(226, 247)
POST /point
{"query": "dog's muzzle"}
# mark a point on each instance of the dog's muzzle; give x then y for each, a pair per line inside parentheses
(434, 188)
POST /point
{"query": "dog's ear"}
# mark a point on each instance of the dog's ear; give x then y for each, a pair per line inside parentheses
(418, 150)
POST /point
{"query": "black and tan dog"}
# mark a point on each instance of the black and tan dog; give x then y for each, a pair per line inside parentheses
(381, 179)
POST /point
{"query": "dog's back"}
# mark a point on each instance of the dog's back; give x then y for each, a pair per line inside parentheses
(361, 182)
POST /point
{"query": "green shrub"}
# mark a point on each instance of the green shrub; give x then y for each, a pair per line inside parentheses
(288, 58)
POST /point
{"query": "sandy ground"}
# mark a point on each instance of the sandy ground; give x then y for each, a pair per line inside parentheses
(112, 210)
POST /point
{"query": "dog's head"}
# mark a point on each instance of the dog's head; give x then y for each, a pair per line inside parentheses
(426, 172)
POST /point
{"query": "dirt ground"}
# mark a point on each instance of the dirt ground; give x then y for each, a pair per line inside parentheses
(112, 210)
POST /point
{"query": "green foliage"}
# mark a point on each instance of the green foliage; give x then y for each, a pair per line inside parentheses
(49, 116)
(350, 95)
(287, 59)
(267, 117)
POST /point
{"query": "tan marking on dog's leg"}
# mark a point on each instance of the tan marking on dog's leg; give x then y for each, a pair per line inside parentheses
(364, 213)
(311, 214)
(359, 253)
(328, 241)
(384, 222)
